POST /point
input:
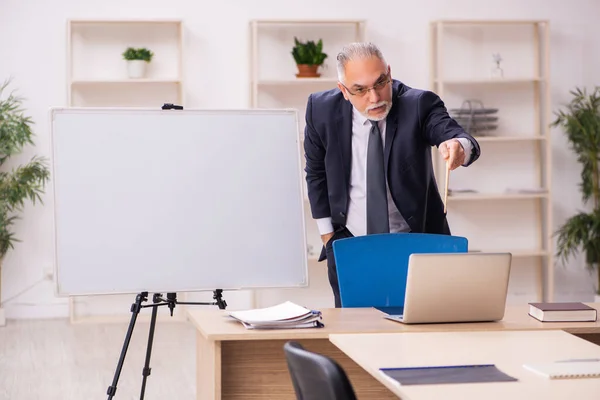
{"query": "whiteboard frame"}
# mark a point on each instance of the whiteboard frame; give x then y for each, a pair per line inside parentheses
(52, 111)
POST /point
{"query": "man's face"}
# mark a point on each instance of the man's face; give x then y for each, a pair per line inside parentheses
(368, 87)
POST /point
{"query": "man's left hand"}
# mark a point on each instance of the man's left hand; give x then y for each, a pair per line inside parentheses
(453, 153)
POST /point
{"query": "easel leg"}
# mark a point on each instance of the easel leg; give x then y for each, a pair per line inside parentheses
(146, 372)
(157, 300)
(135, 310)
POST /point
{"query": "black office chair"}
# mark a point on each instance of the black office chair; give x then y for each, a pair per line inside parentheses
(315, 376)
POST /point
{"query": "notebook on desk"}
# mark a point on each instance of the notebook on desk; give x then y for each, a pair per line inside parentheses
(445, 374)
(454, 287)
(567, 370)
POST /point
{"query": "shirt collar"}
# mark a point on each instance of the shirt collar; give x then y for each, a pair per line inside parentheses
(359, 116)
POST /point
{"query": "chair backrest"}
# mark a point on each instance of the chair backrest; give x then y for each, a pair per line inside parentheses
(372, 269)
(315, 376)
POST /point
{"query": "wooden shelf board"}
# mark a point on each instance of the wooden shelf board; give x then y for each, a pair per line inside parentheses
(495, 196)
(295, 81)
(124, 21)
(515, 253)
(529, 253)
(307, 21)
(488, 22)
(499, 81)
(522, 138)
(119, 81)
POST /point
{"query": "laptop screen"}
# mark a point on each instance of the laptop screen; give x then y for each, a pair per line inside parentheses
(390, 310)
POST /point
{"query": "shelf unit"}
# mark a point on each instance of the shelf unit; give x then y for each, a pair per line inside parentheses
(272, 72)
(503, 214)
(273, 84)
(97, 77)
(97, 73)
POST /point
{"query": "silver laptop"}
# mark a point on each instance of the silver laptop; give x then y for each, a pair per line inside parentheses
(454, 287)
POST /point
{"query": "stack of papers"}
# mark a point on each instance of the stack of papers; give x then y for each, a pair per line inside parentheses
(282, 316)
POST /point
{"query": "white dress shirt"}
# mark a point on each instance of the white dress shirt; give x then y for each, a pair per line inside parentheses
(356, 220)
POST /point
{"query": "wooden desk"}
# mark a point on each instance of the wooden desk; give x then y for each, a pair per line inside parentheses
(508, 350)
(236, 363)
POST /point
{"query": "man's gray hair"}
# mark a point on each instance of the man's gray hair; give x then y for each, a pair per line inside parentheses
(354, 51)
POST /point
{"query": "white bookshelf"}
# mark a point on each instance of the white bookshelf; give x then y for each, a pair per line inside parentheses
(97, 77)
(273, 84)
(510, 208)
(97, 74)
(272, 72)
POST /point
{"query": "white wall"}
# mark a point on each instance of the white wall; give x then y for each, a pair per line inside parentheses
(33, 52)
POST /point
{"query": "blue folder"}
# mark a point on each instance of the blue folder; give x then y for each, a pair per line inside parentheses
(437, 375)
(372, 269)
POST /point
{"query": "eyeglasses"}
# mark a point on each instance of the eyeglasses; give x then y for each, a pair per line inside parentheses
(376, 87)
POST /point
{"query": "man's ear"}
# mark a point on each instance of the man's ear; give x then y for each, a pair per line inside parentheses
(343, 90)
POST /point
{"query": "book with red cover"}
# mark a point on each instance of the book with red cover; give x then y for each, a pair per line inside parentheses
(562, 312)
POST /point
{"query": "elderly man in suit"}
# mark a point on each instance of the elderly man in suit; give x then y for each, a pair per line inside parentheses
(368, 154)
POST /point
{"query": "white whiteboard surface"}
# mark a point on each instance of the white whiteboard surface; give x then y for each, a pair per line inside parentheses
(176, 200)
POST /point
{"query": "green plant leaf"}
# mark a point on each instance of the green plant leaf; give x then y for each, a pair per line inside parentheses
(581, 123)
(580, 120)
(138, 54)
(15, 128)
(23, 182)
(308, 52)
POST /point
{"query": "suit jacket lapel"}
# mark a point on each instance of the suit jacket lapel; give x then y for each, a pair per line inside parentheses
(344, 136)
(391, 126)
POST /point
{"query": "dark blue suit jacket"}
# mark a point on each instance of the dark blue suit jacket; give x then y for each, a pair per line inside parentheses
(417, 120)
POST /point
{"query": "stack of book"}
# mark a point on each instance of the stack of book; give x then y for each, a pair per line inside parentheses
(282, 316)
(562, 312)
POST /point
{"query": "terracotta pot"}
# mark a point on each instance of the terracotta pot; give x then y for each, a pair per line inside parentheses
(307, 71)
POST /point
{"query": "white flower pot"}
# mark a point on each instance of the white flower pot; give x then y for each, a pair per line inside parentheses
(136, 69)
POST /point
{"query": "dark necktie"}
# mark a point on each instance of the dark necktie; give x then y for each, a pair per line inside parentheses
(377, 208)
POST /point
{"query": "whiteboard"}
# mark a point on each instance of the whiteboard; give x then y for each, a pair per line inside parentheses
(176, 200)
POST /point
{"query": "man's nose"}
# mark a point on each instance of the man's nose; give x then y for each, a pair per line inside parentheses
(373, 96)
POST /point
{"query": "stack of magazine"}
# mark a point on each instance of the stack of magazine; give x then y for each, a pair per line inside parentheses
(286, 315)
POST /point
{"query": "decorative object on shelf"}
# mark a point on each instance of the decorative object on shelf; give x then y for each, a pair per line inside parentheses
(497, 72)
(23, 182)
(581, 123)
(459, 191)
(309, 57)
(475, 118)
(137, 60)
(310, 251)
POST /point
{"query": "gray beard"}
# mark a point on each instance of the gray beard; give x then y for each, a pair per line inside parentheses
(388, 107)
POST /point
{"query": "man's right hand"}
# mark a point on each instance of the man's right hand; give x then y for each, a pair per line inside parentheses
(325, 238)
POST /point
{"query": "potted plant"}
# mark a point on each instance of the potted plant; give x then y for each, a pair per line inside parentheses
(137, 60)
(309, 57)
(581, 232)
(23, 182)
